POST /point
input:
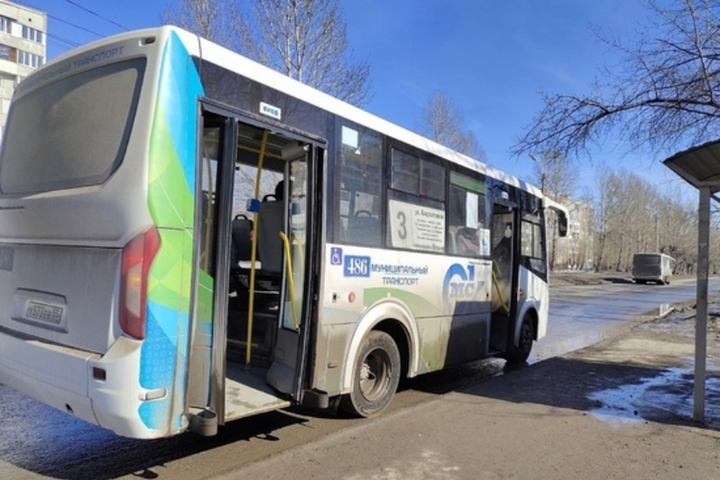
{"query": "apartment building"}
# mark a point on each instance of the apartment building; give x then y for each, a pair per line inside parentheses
(575, 251)
(23, 44)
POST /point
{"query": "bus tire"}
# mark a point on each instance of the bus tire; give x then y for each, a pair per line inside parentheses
(519, 353)
(375, 377)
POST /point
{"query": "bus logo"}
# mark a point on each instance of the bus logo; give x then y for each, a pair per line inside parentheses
(356, 266)
(460, 284)
(336, 256)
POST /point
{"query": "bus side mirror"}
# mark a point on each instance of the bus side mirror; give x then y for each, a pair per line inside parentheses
(562, 225)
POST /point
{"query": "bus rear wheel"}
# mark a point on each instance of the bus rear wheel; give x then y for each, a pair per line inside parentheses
(519, 353)
(375, 377)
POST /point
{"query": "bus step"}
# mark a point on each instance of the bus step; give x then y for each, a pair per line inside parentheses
(203, 422)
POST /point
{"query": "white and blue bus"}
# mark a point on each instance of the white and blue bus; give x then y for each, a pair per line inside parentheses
(188, 238)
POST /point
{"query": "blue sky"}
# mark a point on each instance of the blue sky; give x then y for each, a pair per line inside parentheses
(493, 58)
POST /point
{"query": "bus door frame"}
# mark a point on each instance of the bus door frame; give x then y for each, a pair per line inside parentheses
(515, 264)
(213, 413)
(315, 165)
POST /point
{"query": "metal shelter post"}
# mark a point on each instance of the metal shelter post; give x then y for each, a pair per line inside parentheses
(702, 304)
(700, 167)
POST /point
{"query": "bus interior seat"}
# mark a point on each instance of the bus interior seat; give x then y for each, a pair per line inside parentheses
(363, 229)
(241, 239)
(270, 247)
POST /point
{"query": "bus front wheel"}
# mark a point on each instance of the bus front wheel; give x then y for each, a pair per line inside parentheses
(375, 377)
(519, 353)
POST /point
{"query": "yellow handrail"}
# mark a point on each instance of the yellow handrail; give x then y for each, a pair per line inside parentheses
(291, 282)
(253, 252)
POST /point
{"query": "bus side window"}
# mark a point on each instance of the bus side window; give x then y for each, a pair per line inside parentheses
(357, 199)
(467, 217)
(363, 228)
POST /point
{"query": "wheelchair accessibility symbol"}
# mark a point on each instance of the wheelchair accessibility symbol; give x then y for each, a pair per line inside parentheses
(336, 256)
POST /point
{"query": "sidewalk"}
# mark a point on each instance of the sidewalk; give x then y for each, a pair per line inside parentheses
(619, 409)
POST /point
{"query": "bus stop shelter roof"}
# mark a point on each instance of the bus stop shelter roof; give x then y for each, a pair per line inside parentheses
(699, 166)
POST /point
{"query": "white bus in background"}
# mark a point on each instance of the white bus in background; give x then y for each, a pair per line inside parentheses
(652, 267)
(156, 277)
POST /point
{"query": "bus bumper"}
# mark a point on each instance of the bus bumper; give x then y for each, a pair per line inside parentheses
(62, 378)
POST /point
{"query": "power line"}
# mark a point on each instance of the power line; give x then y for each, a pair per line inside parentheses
(74, 25)
(71, 2)
(61, 40)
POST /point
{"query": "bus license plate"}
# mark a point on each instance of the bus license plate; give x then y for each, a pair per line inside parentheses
(43, 312)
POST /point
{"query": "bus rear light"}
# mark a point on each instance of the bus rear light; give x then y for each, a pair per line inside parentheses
(137, 257)
(99, 373)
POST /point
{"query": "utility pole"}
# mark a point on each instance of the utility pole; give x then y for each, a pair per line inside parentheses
(543, 173)
(657, 234)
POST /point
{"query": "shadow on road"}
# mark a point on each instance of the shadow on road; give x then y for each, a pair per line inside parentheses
(618, 280)
(69, 450)
(455, 378)
(613, 391)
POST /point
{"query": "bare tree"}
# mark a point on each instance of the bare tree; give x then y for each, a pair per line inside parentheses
(555, 173)
(664, 94)
(304, 39)
(602, 215)
(216, 20)
(633, 216)
(307, 40)
(444, 123)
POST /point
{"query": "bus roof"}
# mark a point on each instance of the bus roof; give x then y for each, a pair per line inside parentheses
(652, 254)
(232, 61)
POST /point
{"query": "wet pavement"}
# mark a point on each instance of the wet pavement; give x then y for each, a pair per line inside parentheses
(584, 315)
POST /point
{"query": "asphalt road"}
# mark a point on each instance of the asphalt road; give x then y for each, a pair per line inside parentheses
(38, 442)
(584, 315)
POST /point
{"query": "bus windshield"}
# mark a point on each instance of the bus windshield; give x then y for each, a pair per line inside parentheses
(72, 132)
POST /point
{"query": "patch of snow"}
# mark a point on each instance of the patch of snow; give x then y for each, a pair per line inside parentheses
(671, 391)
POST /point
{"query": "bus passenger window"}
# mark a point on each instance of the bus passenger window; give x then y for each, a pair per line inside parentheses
(357, 201)
(468, 229)
(416, 203)
(467, 241)
(532, 242)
